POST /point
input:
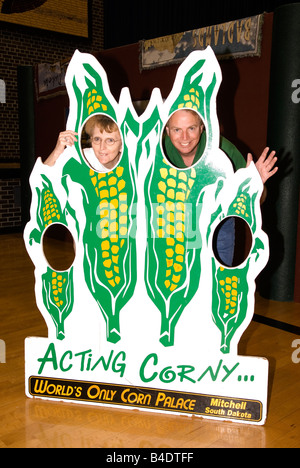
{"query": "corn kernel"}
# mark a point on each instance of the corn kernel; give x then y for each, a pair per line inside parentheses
(179, 236)
(179, 258)
(104, 194)
(112, 181)
(115, 249)
(108, 274)
(160, 210)
(179, 249)
(160, 198)
(170, 241)
(164, 172)
(121, 185)
(123, 208)
(169, 252)
(119, 171)
(176, 278)
(105, 245)
(180, 227)
(171, 194)
(180, 196)
(161, 222)
(177, 267)
(160, 233)
(170, 217)
(170, 206)
(113, 227)
(170, 230)
(162, 186)
(113, 192)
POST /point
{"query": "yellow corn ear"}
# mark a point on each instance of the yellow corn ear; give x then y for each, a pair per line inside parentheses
(57, 289)
(95, 102)
(229, 289)
(50, 209)
(190, 100)
(240, 205)
(113, 225)
(174, 189)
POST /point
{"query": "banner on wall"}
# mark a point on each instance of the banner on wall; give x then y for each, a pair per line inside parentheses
(50, 79)
(238, 38)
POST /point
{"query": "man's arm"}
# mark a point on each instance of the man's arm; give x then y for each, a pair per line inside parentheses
(265, 164)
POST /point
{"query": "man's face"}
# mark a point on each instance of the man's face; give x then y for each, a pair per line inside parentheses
(185, 129)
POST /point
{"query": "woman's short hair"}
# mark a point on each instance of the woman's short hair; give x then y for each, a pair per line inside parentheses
(104, 122)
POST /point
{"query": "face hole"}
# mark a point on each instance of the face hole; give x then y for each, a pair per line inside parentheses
(232, 241)
(183, 136)
(101, 143)
(59, 247)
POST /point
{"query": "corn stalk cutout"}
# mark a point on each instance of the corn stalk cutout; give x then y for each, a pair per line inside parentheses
(233, 288)
(58, 296)
(173, 196)
(49, 210)
(107, 199)
(57, 287)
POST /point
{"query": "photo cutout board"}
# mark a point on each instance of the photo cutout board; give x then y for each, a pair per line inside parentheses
(147, 315)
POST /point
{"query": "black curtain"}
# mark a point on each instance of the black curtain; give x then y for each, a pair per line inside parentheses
(280, 212)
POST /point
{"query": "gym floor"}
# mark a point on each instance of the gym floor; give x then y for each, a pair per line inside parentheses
(33, 423)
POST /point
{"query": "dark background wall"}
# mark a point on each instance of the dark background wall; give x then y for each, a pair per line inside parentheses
(126, 24)
(243, 99)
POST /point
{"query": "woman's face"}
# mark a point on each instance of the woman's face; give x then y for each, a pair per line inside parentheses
(107, 146)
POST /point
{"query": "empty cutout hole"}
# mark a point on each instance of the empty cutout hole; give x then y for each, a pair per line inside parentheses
(232, 241)
(58, 246)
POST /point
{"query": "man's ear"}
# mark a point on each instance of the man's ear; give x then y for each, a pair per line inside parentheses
(168, 131)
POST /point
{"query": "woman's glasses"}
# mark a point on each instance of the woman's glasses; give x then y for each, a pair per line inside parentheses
(106, 141)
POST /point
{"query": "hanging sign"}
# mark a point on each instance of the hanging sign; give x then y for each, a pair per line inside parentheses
(50, 79)
(146, 316)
